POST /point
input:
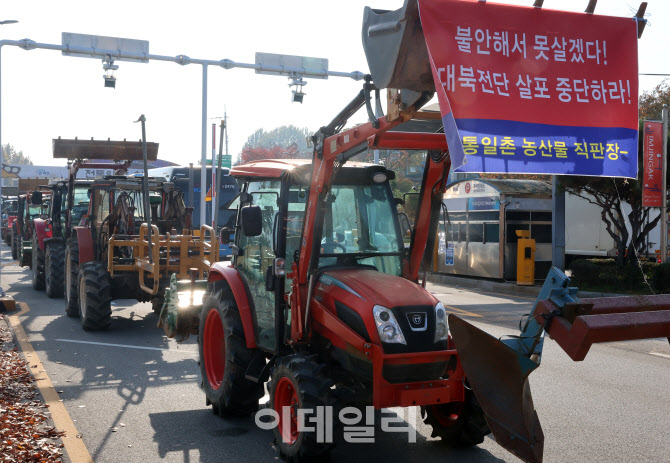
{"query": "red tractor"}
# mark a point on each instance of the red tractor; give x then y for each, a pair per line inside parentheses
(9, 210)
(70, 200)
(323, 302)
(322, 298)
(32, 205)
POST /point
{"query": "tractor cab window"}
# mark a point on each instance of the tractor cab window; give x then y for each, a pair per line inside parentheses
(80, 203)
(34, 210)
(360, 229)
(257, 257)
(101, 205)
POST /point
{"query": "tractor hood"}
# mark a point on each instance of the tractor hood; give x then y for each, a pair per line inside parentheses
(381, 288)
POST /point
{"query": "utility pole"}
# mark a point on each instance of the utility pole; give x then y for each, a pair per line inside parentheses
(557, 223)
(218, 171)
(213, 187)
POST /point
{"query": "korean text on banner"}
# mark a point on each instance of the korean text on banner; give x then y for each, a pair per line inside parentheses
(653, 168)
(532, 90)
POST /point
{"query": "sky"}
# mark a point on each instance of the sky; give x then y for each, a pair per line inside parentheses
(46, 95)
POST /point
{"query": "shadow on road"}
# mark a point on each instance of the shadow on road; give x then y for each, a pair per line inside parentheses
(240, 439)
(131, 372)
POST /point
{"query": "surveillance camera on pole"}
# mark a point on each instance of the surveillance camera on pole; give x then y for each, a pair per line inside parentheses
(295, 67)
(109, 67)
(298, 94)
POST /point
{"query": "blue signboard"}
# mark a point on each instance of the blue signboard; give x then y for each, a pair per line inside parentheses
(449, 255)
(484, 203)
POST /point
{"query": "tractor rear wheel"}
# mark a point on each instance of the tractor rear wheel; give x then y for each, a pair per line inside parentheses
(37, 264)
(15, 243)
(224, 359)
(95, 296)
(71, 277)
(54, 265)
(298, 382)
(459, 424)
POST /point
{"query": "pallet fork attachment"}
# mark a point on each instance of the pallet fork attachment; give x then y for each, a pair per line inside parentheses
(498, 369)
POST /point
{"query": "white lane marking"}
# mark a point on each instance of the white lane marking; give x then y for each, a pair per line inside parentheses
(658, 354)
(185, 351)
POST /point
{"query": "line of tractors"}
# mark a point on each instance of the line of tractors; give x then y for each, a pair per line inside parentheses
(322, 304)
(88, 241)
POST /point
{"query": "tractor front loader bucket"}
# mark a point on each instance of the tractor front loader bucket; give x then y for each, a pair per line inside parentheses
(497, 370)
(396, 51)
(498, 375)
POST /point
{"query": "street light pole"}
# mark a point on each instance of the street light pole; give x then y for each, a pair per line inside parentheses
(203, 153)
(8, 21)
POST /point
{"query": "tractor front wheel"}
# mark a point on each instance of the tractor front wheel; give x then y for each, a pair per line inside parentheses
(459, 424)
(95, 296)
(37, 264)
(298, 382)
(54, 265)
(224, 359)
(71, 276)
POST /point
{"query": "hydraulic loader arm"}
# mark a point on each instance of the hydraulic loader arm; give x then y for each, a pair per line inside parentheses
(331, 151)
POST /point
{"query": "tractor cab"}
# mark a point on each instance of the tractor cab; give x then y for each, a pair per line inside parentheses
(360, 232)
(66, 210)
(116, 205)
(9, 211)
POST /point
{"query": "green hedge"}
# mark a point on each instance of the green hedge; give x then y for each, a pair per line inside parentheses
(603, 275)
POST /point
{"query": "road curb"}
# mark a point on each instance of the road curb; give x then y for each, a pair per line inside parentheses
(73, 443)
(504, 287)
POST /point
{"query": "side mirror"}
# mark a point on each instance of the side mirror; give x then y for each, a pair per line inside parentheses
(398, 202)
(36, 198)
(225, 235)
(252, 220)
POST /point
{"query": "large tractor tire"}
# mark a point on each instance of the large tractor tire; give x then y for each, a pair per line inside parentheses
(71, 278)
(37, 264)
(95, 296)
(15, 243)
(224, 359)
(299, 382)
(459, 424)
(54, 265)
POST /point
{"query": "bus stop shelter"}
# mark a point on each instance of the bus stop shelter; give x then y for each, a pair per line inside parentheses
(483, 217)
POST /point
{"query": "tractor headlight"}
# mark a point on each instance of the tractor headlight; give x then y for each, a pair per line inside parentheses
(441, 324)
(387, 326)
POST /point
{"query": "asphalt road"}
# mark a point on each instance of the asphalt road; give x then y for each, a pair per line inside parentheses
(134, 395)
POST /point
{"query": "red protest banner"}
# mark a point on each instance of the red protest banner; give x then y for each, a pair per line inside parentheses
(653, 170)
(534, 90)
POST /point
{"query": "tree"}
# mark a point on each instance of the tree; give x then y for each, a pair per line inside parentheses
(11, 156)
(291, 139)
(609, 194)
(259, 153)
(651, 103)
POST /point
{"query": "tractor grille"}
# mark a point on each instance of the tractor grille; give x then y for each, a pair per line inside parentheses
(418, 340)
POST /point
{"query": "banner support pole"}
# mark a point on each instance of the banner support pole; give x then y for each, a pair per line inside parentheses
(664, 189)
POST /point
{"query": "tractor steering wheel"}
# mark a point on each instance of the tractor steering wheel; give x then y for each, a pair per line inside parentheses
(329, 247)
